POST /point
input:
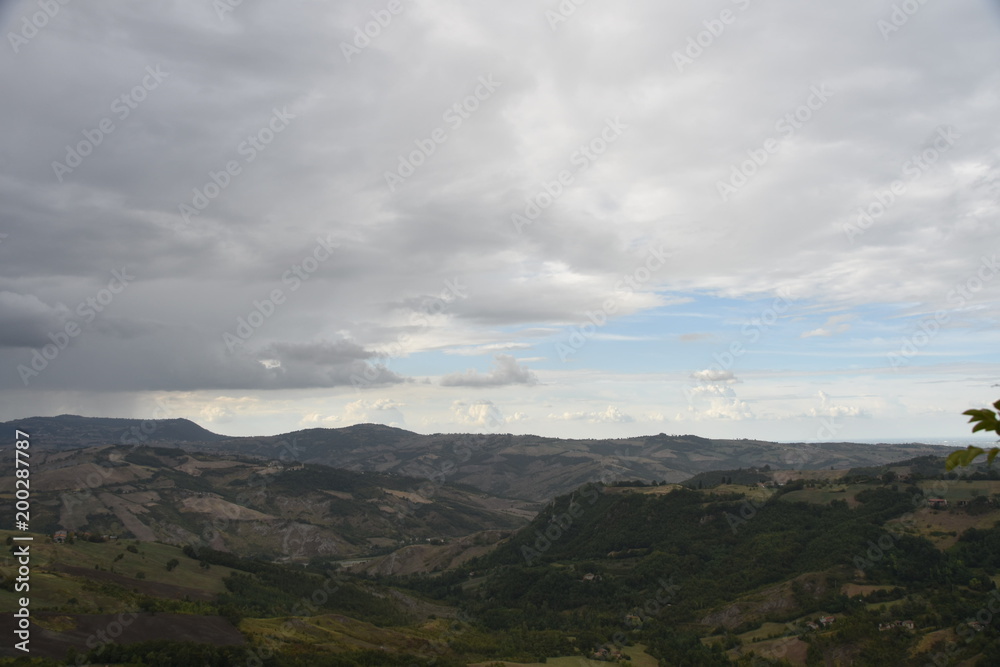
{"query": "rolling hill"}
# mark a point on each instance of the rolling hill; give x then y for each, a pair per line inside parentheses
(513, 466)
(275, 510)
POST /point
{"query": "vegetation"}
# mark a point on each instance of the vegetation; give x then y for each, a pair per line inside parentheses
(984, 420)
(748, 567)
(733, 574)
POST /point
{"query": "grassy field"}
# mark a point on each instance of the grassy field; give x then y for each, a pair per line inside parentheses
(638, 654)
(850, 590)
(943, 527)
(764, 631)
(875, 606)
(64, 576)
(647, 490)
(951, 490)
(955, 490)
(824, 495)
(754, 492)
(792, 649)
(339, 633)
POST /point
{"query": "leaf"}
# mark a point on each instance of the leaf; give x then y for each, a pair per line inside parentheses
(985, 420)
(962, 457)
(992, 455)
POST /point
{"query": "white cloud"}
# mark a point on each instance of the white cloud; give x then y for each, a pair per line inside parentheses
(716, 401)
(715, 375)
(480, 414)
(318, 420)
(827, 408)
(612, 415)
(378, 411)
(433, 271)
(505, 371)
(834, 325)
(489, 348)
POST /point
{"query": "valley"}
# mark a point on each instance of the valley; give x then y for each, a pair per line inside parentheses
(221, 557)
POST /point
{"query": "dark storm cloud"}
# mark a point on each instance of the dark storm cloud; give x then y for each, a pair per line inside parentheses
(193, 96)
(25, 321)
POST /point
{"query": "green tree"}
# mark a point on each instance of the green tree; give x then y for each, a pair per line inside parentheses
(984, 420)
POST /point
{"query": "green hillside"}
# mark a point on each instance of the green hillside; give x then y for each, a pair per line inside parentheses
(704, 578)
(814, 571)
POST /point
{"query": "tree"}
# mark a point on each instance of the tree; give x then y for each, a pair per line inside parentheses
(984, 420)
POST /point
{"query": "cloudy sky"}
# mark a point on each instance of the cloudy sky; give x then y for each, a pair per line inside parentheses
(590, 218)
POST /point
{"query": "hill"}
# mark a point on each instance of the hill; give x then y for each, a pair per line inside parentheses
(513, 466)
(861, 569)
(145, 603)
(270, 509)
(813, 572)
(73, 431)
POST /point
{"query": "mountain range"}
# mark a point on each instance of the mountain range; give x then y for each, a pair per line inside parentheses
(526, 467)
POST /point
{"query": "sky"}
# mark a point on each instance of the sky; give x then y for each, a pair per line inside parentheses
(575, 219)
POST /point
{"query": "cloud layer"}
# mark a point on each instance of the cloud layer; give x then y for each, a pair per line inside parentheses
(268, 215)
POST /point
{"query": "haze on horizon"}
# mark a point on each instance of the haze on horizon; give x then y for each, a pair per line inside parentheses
(731, 219)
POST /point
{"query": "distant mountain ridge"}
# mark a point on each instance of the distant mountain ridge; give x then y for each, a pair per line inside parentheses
(71, 431)
(501, 464)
